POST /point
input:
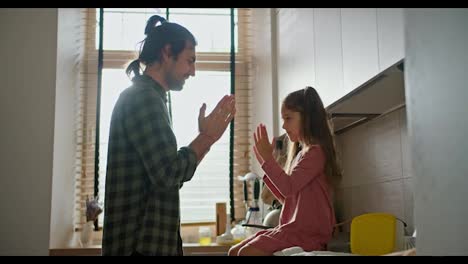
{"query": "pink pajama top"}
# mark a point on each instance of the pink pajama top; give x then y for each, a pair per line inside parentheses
(307, 217)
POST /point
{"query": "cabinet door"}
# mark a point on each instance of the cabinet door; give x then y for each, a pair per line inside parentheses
(359, 38)
(328, 54)
(390, 28)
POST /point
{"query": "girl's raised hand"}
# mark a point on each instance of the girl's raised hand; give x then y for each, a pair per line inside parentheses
(263, 149)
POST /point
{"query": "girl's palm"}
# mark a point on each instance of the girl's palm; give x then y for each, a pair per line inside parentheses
(263, 149)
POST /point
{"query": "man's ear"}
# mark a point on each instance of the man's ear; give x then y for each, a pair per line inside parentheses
(166, 52)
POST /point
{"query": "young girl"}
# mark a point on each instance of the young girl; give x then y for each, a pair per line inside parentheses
(305, 188)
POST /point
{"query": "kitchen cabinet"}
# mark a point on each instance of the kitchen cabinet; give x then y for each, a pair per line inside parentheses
(342, 53)
(373, 53)
(390, 30)
(359, 40)
(381, 94)
(336, 50)
(328, 54)
(354, 45)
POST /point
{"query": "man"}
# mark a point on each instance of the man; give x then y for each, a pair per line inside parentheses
(145, 170)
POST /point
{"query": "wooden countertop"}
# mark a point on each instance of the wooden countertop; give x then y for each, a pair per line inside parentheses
(190, 249)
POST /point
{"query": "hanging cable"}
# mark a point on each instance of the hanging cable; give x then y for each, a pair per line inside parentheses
(231, 132)
(98, 109)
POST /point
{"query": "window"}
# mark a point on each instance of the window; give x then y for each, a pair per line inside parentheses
(210, 183)
(123, 30)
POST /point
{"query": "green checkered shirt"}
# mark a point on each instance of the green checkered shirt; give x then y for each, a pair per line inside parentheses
(145, 171)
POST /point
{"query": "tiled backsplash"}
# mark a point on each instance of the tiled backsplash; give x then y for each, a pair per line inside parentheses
(376, 175)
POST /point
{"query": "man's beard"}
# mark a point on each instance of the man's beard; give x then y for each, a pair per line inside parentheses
(174, 84)
(176, 87)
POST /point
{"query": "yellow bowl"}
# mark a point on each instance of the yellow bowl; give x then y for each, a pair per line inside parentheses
(374, 234)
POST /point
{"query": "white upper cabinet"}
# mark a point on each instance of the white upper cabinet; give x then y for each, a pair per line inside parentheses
(334, 50)
(328, 54)
(360, 48)
(390, 28)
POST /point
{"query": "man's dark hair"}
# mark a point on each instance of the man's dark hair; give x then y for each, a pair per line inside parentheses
(157, 37)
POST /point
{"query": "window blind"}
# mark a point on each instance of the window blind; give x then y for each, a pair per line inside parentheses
(85, 119)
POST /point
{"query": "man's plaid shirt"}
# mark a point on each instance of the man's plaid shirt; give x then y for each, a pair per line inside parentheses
(145, 171)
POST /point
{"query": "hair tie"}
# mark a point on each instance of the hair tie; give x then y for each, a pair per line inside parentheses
(152, 21)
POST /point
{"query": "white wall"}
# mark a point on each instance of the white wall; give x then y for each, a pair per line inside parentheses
(296, 52)
(70, 38)
(264, 92)
(27, 97)
(436, 80)
(265, 80)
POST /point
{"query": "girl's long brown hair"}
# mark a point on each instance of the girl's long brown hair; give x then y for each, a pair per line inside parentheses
(316, 129)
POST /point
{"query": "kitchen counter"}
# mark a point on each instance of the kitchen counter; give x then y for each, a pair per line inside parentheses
(190, 249)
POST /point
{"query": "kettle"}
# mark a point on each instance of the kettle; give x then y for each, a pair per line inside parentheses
(272, 218)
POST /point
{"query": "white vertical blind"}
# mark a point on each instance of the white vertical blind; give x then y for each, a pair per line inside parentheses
(85, 119)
